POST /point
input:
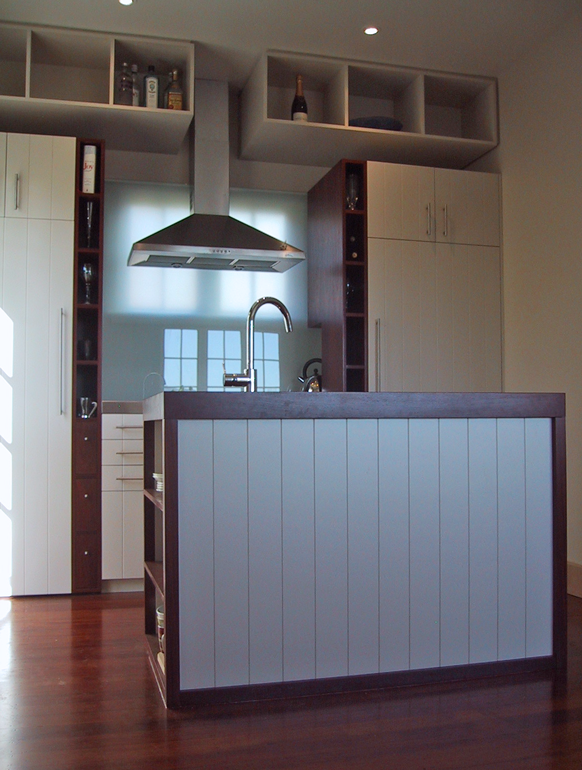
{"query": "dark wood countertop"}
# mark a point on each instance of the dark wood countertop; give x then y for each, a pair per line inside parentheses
(295, 406)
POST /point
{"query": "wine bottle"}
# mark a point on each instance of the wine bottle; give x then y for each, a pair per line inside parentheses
(299, 107)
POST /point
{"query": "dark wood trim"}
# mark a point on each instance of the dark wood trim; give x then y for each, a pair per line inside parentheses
(152, 649)
(289, 406)
(171, 565)
(559, 541)
(176, 406)
(87, 320)
(364, 682)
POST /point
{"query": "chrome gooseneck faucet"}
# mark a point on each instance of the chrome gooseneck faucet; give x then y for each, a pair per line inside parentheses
(248, 379)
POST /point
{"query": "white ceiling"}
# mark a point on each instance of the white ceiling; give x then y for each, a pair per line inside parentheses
(469, 36)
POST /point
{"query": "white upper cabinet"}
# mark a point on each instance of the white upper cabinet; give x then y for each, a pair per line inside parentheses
(466, 207)
(400, 202)
(38, 174)
(63, 81)
(438, 205)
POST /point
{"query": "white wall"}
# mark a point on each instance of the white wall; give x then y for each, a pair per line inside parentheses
(540, 158)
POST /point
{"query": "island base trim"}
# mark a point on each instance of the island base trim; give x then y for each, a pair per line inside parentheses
(364, 682)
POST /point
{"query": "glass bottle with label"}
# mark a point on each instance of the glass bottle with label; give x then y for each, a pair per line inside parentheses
(151, 87)
(174, 97)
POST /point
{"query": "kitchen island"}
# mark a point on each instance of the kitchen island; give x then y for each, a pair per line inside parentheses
(314, 543)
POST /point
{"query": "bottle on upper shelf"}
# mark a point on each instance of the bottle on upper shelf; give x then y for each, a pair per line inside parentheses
(151, 87)
(299, 106)
(89, 168)
(125, 85)
(135, 100)
(173, 96)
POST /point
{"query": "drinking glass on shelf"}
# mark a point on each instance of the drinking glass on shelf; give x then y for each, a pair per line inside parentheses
(88, 272)
(89, 222)
(352, 192)
(88, 407)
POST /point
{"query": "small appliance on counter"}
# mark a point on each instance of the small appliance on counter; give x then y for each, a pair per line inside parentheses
(312, 383)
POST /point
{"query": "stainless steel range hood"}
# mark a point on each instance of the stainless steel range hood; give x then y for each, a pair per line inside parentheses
(214, 242)
(209, 239)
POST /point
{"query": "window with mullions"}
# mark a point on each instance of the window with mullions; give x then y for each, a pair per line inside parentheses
(224, 351)
(267, 361)
(181, 359)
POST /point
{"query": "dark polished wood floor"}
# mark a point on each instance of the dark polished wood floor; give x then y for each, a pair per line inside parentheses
(76, 692)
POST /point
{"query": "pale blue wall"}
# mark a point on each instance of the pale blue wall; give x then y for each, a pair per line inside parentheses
(139, 303)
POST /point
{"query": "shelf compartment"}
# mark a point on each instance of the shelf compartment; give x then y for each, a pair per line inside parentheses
(355, 243)
(460, 107)
(355, 379)
(337, 90)
(155, 570)
(355, 288)
(157, 498)
(355, 340)
(324, 85)
(389, 93)
(87, 386)
(13, 47)
(164, 56)
(70, 66)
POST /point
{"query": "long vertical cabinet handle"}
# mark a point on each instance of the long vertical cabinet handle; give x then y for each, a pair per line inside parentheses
(16, 191)
(62, 352)
(428, 219)
(445, 220)
(378, 357)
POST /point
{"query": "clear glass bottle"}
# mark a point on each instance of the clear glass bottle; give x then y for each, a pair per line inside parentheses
(124, 85)
(173, 96)
(151, 87)
(135, 86)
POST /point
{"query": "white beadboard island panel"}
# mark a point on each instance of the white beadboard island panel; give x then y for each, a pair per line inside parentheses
(298, 529)
(318, 548)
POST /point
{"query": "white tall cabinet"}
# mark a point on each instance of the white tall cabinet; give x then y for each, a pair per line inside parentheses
(434, 279)
(36, 292)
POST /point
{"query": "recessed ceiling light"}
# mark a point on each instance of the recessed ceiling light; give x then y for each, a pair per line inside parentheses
(126, 2)
(367, 30)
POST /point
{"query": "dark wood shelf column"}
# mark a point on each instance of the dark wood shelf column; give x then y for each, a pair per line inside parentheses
(87, 323)
(338, 275)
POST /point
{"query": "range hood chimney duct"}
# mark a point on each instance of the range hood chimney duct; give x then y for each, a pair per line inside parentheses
(209, 238)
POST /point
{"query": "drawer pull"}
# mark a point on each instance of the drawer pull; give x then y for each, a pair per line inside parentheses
(137, 452)
(86, 497)
(85, 553)
(129, 478)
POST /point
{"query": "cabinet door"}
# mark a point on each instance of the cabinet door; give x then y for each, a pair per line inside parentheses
(133, 547)
(17, 165)
(400, 202)
(37, 298)
(467, 207)
(434, 317)
(112, 534)
(40, 177)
